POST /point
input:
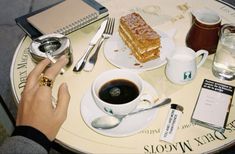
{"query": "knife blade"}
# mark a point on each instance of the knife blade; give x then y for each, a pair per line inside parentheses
(82, 61)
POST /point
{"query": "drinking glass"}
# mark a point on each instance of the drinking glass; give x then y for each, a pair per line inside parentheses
(223, 65)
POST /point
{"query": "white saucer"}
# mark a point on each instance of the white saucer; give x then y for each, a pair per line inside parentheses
(129, 126)
(118, 54)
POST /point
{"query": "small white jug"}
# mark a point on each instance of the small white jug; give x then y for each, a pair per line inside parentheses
(182, 66)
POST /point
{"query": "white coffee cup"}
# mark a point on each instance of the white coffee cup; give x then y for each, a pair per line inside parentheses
(109, 80)
(182, 65)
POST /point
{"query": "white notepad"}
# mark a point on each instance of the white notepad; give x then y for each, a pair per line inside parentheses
(64, 18)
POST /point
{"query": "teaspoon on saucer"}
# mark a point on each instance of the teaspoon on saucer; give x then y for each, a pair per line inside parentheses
(111, 121)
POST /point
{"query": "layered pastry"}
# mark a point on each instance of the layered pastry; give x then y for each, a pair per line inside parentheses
(143, 41)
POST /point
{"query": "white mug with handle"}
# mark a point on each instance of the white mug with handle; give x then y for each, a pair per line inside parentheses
(182, 65)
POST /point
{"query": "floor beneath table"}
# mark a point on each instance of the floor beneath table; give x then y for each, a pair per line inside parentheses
(10, 35)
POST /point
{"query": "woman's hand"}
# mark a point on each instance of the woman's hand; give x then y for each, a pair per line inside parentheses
(35, 107)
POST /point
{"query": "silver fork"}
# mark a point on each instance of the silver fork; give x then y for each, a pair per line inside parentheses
(107, 33)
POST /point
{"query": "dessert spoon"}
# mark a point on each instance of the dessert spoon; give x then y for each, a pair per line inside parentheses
(111, 121)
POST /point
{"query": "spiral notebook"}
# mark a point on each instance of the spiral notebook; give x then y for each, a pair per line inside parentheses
(65, 17)
(230, 3)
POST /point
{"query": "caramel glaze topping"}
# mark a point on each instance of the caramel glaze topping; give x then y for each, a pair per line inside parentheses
(139, 27)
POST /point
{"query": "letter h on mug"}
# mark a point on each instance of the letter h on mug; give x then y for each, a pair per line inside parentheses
(182, 66)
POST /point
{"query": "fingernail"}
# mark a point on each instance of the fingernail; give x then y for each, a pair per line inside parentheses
(64, 57)
(65, 85)
(47, 60)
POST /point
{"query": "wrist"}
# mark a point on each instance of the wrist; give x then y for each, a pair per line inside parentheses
(33, 134)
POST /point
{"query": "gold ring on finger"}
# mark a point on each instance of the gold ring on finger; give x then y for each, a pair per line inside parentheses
(45, 81)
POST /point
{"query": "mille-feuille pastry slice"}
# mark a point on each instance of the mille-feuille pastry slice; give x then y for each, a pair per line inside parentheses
(143, 41)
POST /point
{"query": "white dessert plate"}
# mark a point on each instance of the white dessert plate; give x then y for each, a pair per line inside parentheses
(130, 125)
(118, 54)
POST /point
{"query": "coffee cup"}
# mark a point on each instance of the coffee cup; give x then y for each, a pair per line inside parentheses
(204, 31)
(182, 65)
(118, 91)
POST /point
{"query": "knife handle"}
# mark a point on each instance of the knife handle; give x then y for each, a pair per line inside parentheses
(82, 61)
(92, 60)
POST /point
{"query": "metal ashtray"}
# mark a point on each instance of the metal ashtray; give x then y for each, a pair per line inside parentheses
(51, 46)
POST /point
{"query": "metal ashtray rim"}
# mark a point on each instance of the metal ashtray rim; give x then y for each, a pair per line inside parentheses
(54, 45)
(36, 45)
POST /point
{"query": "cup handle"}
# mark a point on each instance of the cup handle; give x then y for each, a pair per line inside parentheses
(149, 99)
(204, 55)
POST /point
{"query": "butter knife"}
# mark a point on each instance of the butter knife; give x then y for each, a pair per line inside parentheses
(82, 61)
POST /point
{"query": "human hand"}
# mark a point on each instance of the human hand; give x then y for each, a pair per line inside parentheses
(35, 107)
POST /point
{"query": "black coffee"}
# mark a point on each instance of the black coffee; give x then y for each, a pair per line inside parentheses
(118, 91)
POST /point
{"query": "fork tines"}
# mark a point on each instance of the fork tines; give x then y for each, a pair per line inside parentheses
(110, 26)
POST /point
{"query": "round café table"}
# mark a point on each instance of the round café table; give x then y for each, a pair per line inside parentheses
(165, 15)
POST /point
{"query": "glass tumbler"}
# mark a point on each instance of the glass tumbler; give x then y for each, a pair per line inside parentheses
(223, 65)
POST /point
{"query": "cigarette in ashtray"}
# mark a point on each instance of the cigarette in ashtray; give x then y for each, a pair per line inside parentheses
(171, 124)
(54, 61)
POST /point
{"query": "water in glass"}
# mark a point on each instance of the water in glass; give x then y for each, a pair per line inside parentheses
(224, 61)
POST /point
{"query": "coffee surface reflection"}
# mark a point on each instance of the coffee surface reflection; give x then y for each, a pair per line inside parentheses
(118, 91)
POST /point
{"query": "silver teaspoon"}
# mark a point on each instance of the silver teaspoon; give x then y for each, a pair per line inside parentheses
(111, 121)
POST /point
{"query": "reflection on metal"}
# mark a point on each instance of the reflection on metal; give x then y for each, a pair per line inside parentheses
(54, 45)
